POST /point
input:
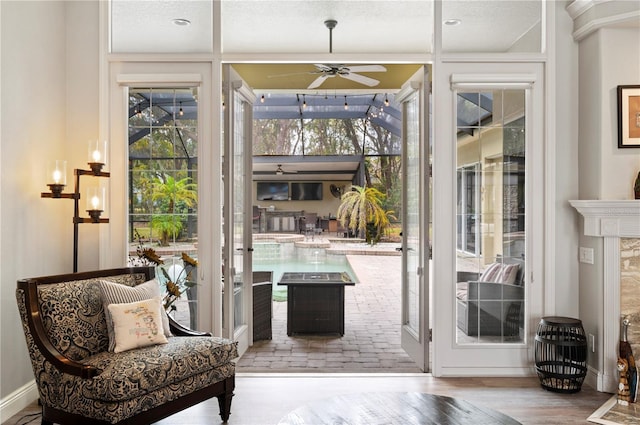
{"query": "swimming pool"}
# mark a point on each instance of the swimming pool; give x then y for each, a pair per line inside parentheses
(284, 257)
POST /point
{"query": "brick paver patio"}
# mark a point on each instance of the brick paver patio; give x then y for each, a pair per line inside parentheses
(371, 342)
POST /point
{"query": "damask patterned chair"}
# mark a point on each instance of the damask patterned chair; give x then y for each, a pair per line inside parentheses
(81, 382)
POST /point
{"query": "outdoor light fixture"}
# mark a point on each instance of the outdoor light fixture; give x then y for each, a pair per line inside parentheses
(304, 102)
(181, 112)
(262, 99)
(96, 196)
(386, 100)
(346, 105)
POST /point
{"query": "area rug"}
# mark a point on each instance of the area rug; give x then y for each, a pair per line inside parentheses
(612, 413)
(391, 408)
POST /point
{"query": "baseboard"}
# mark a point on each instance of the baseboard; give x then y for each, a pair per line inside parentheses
(18, 400)
(593, 379)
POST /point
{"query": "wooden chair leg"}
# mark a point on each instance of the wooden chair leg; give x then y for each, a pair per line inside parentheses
(224, 400)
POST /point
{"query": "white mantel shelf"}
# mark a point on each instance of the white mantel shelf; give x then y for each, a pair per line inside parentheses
(610, 220)
(605, 218)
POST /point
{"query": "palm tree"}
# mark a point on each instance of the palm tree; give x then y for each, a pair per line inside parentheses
(172, 192)
(361, 211)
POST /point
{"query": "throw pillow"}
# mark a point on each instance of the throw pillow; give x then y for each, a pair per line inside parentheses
(500, 273)
(491, 273)
(508, 273)
(137, 324)
(116, 293)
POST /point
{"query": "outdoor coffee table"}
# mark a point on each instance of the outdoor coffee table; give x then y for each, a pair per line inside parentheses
(315, 302)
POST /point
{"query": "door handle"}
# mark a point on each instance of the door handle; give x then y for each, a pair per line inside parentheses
(250, 249)
(399, 249)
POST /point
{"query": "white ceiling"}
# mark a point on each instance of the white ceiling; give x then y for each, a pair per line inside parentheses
(267, 27)
(297, 26)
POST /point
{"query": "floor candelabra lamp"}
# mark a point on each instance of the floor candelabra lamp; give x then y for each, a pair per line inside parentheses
(96, 196)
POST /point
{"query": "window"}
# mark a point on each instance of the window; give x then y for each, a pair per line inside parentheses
(163, 191)
(490, 154)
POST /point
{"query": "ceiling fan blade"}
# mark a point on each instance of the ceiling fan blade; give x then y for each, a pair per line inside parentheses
(318, 81)
(322, 67)
(360, 79)
(367, 68)
(291, 74)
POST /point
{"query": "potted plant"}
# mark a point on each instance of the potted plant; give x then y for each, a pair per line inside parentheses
(361, 212)
(175, 281)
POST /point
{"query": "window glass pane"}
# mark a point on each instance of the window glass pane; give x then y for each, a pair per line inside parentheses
(490, 240)
(163, 193)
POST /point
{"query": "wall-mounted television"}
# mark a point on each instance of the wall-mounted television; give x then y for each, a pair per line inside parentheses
(304, 191)
(273, 191)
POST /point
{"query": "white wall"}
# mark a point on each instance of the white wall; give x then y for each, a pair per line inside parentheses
(608, 58)
(33, 233)
(620, 59)
(49, 110)
(565, 146)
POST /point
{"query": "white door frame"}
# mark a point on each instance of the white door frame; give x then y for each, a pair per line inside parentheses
(235, 88)
(414, 337)
(451, 358)
(124, 75)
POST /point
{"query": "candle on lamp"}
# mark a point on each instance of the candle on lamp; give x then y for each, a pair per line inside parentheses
(57, 172)
(96, 197)
(97, 155)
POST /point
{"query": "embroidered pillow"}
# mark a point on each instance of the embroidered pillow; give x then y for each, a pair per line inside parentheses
(116, 293)
(137, 324)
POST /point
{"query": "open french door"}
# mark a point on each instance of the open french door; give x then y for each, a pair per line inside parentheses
(415, 218)
(237, 299)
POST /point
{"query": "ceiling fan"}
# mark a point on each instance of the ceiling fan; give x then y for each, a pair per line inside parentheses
(279, 171)
(345, 71)
(336, 191)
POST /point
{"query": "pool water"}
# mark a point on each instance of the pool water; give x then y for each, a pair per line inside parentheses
(332, 263)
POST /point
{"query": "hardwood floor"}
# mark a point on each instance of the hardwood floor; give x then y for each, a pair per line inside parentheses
(264, 399)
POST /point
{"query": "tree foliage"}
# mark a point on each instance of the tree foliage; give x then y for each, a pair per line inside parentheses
(361, 212)
(175, 196)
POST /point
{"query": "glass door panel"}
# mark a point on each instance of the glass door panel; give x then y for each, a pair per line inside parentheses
(490, 218)
(414, 333)
(237, 209)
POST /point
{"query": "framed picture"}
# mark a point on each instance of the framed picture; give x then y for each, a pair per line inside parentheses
(629, 116)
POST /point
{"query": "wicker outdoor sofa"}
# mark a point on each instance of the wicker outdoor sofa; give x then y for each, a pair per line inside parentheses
(80, 381)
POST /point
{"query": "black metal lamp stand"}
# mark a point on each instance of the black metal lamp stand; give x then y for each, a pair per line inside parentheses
(94, 215)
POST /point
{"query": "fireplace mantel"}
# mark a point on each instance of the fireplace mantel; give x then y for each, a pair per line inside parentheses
(610, 220)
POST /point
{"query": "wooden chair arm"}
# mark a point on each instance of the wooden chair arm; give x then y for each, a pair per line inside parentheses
(179, 330)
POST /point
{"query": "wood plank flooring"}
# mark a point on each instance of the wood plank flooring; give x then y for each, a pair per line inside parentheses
(264, 399)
